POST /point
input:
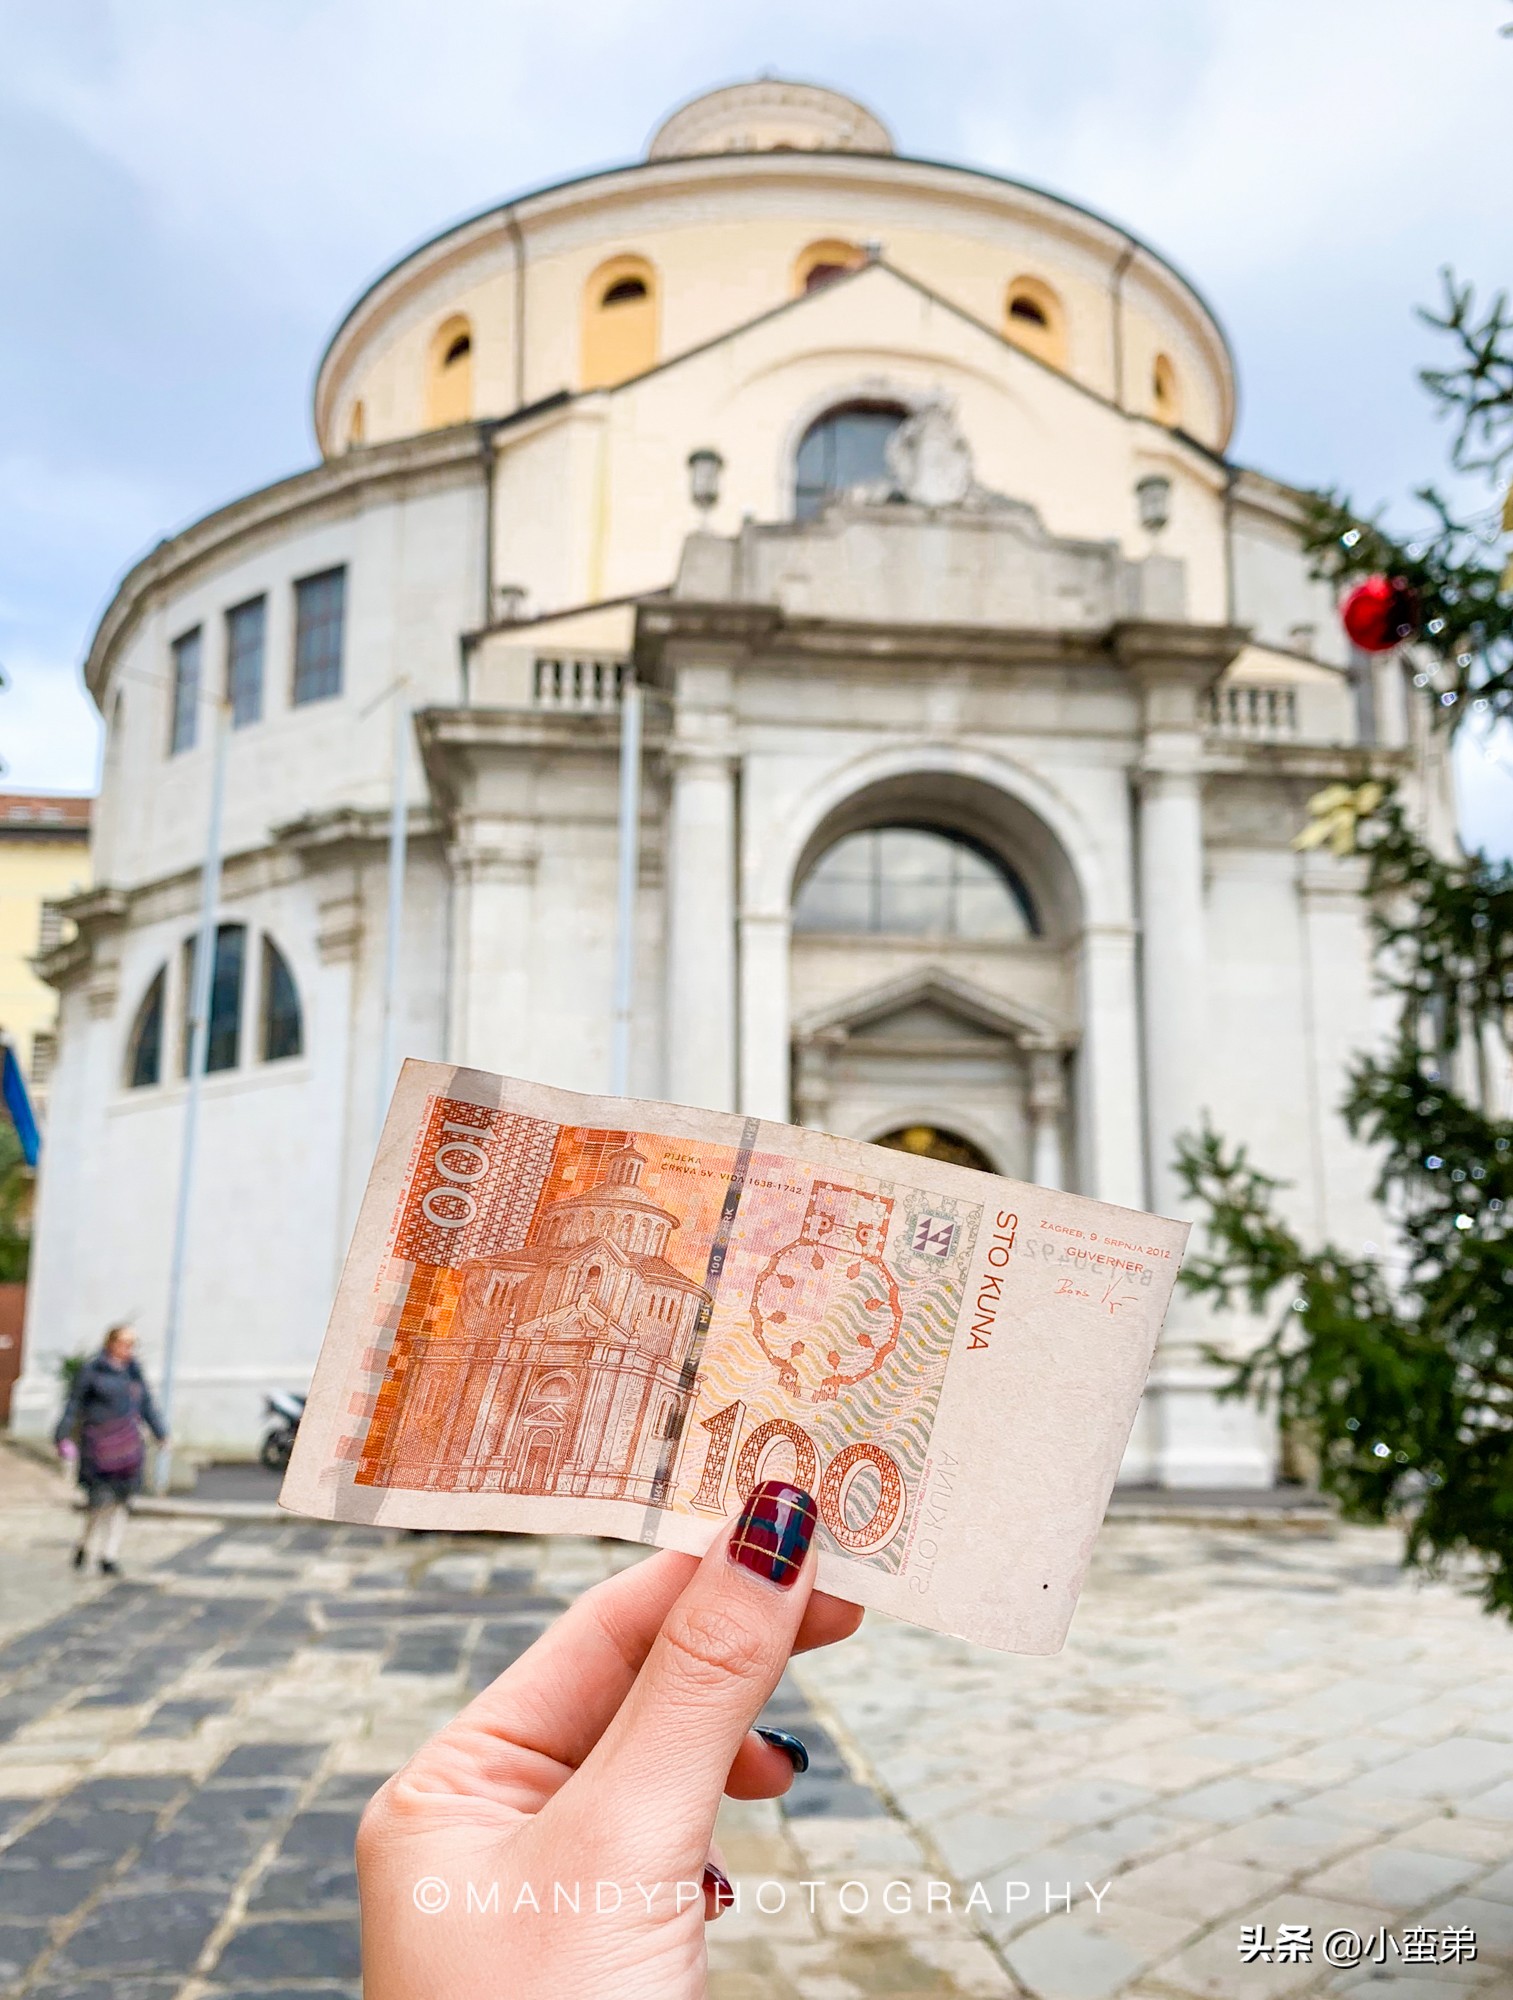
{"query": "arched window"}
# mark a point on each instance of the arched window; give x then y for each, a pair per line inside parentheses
(223, 1047)
(913, 881)
(619, 322)
(449, 373)
(280, 1023)
(934, 1142)
(280, 1027)
(844, 449)
(1164, 390)
(144, 1047)
(1033, 319)
(818, 263)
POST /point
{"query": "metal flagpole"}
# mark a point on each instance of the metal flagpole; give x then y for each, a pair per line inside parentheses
(630, 869)
(398, 839)
(199, 1048)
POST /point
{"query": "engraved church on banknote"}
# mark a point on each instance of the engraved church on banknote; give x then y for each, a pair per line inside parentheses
(795, 601)
(560, 1366)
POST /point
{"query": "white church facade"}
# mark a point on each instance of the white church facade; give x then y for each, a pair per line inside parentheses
(982, 696)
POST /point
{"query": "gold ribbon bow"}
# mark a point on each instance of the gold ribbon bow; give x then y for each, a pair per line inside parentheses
(1336, 814)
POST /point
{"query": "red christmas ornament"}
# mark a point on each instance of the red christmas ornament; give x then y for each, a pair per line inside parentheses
(1380, 613)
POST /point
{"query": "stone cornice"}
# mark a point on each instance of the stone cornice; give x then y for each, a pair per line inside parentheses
(673, 631)
(1313, 762)
(317, 842)
(95, 906)
(319, 837)
(431, 455)
(449, 736)
(64, 963)
(1157, 652)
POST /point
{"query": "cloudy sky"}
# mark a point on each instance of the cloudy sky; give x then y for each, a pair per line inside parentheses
(192, 190)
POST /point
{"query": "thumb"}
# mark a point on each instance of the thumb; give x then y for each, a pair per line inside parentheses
(652, 1783)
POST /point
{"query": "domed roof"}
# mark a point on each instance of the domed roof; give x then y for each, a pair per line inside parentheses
(770, 115)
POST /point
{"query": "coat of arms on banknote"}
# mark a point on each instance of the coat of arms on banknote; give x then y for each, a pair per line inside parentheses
(606, 1317)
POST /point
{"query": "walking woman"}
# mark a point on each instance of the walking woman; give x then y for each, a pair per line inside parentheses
(107, 1407)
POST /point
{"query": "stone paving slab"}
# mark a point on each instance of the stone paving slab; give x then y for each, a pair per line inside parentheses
(1328, 1749)
(1248, 1727)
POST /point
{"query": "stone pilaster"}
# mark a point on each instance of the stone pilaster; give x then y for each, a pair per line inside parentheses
(1047, 1107)
(701, 905)
(493, 865)
(1188, 1436)
(1173, 959)
(765, 1026)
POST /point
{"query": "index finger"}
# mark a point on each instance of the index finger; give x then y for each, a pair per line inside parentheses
(558, 1697)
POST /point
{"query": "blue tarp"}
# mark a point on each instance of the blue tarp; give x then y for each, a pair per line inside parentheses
(18, 1103)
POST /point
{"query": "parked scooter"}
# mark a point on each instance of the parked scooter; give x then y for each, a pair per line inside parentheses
(278, 1440)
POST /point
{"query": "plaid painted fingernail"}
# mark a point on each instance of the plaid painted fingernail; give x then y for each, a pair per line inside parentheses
(773, 1534)
(717, 1886)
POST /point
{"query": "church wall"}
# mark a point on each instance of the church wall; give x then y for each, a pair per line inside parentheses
(831, 751)
(1291, 995)
(413, 583)
(510, 907)
(283, 1153)
(268, 1200)
(724, 237)
(559, 474)
(392, 384)
(1259, 1003)
(1273, 592)
(795, 775)
(534, 928)
(1033, 436)
(1288, 999)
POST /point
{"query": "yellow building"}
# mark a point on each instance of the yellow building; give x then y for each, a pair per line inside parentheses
(44, 857)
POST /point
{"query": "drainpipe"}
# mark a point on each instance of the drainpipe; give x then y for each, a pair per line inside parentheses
(517, 239)
(517, 243)
(1116, 293)
(486, 447)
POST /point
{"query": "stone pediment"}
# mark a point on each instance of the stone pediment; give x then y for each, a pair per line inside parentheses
(925, 1021)
(931, 1007)
(985, 560)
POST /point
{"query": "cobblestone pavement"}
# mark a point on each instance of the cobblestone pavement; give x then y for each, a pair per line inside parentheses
(1247, 1728)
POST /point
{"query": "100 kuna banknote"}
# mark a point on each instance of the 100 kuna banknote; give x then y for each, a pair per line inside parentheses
(594, 1316)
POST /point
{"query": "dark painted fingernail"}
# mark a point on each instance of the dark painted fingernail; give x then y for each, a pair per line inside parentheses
(717, 1884)
(792, 1747)
(773, 1534)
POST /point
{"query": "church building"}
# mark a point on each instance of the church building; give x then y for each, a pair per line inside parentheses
(978, 695)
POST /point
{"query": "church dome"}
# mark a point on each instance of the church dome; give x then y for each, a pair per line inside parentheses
(770, 115)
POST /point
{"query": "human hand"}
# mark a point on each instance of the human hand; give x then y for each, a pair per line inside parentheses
(597, 1759)
(67, 1450)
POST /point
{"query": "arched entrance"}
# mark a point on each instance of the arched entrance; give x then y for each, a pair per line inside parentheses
(935, 925)
(935, 1142)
